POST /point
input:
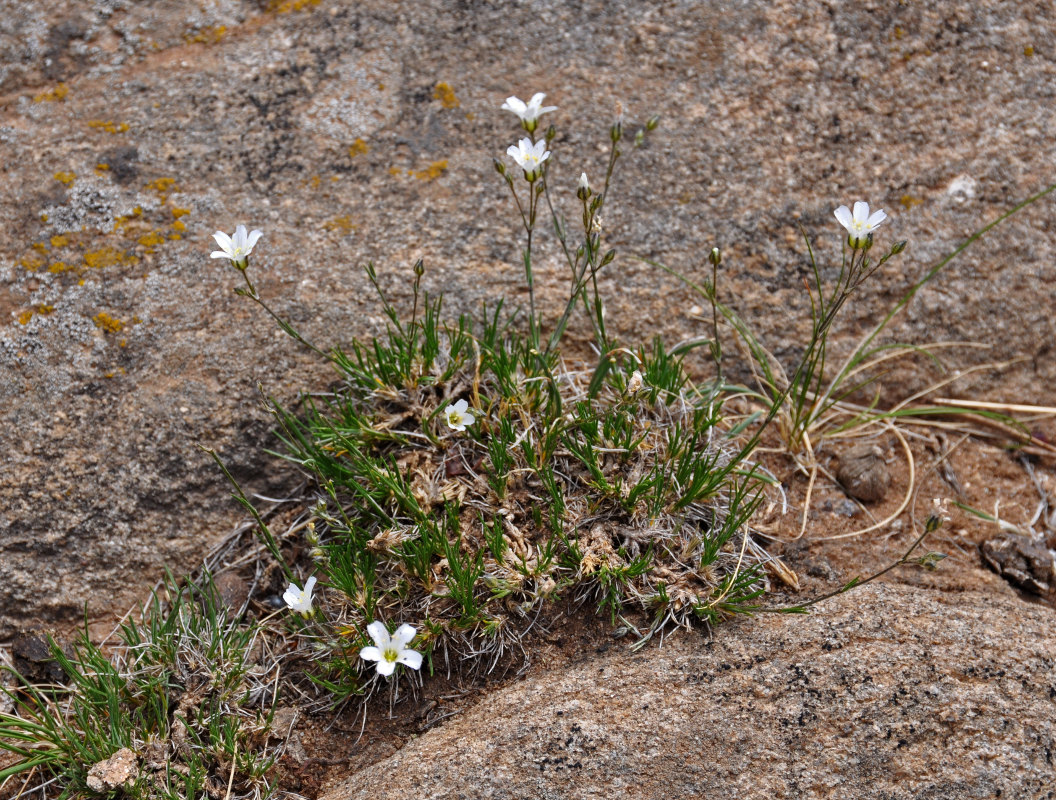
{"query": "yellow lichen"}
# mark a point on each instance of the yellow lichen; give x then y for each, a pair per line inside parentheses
(210, 35)
(341, 224)
(64, 177)
(446, 95)
(430, 173)
(908, 201)
(58, 240)
(395, 171)
(58, 266)
(40, 310)
(286, 6)
(40, 247)
(179, 226)
(1028, 51)
(32, 263)
(177, 212)
(175, 236)
(107, 257)
(53, 95)
(102, 169)
(107, 323)
(162, 185)
(151, 239)
(358, 148)
(25, 317)
(108, 125)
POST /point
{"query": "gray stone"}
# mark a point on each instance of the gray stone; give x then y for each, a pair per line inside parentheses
(885, 692)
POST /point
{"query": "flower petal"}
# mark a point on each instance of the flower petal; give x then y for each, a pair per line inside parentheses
(875, 219)
(309, 585)
(224, 241)
(468, 419)
(379, 633)
(240, 236)
(253, 237)
(219, 254)
(515, 105)
(403, 635)
(412, 658)
(292, 596)
(461, 406)
(843, 216)
(861, 211)
(386, 667)
(370, 654)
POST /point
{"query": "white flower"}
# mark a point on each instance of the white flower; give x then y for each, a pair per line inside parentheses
(236, 248)
(298, 600)
(390, 651)
(529, 156)
(861, 224)
(458, 416)
(528, 112)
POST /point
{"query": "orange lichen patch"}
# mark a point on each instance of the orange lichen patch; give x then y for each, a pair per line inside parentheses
(58, 240)
(107, 257)
(210, 35)
(341, 224)
(899, 33)
(1028, 51)
(395, 171)
(177, 212)
(31, 263)
(179, 226)
(102, 168)
(470, 116)
(162, 186)
(358, 148)
(286, 6)
(175, 236)
(908, 201)
(53, 95)
(25, 317)
(41, 310)
(107, 323)
(430, 173)
(59, 266)
(313, 182)
(64, 177)
(108, 125)
(40, 247)
(446, 95)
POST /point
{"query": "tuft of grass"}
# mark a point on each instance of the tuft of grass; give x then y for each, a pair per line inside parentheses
(182, 691)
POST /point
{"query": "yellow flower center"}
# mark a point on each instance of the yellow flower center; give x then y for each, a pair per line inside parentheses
(390, 654)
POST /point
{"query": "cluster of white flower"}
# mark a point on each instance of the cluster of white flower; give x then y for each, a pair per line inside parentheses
(529, 155)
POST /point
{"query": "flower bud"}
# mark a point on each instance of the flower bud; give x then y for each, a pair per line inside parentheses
(616, 132)
(715, 256)
(653, 122)
(499, 166)
(583, 192)
(419, 268)
(898, 247)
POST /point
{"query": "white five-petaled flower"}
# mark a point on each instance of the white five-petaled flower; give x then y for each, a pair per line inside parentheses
(529, 156)
(298, 600)
(458, 416)
(391, 650)
(528, 112)
(236, 248)
(860, 224)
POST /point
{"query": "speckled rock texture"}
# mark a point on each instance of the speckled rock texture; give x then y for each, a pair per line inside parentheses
(356, 131)
(886, 692)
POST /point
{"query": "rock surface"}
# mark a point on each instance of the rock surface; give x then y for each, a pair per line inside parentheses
(355, 131)
(885, 692)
